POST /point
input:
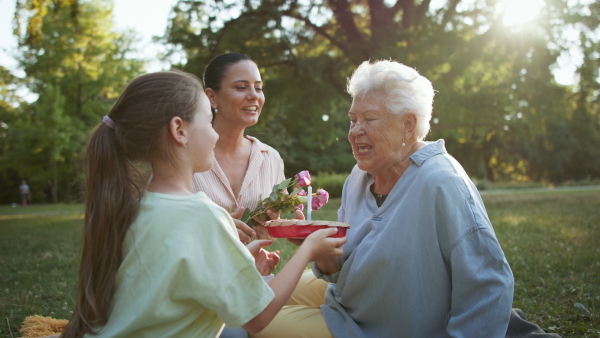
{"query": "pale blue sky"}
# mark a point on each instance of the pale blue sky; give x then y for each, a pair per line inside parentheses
(146, 17)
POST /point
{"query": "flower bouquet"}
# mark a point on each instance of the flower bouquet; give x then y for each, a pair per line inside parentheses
(283, 201)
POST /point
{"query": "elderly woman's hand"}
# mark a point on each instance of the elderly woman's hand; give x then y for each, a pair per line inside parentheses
(328, 264)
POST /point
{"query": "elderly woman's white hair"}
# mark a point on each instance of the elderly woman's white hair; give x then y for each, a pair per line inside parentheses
(405, 89)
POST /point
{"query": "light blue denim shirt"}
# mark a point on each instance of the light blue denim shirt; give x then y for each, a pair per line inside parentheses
(425, 264)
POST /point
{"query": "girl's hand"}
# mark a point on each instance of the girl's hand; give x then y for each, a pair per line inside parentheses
(265, 261)
(245, 232)
(320, 245)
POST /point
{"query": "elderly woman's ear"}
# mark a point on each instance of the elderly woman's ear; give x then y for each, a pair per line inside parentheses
(410, 125)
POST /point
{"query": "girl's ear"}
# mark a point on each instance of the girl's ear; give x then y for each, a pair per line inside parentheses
(212, 96)
(177, 131)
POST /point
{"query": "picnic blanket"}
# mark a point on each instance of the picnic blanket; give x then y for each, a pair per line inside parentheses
(39, 326)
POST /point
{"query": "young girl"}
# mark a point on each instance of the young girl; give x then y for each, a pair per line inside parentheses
(159, 260)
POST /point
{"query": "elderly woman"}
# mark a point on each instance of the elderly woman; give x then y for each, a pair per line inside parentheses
(421, 259)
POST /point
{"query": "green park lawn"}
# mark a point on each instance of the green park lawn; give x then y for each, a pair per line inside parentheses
(551, 240)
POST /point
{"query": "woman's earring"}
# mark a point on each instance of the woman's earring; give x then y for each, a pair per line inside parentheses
(216, 109)
(185, 146)
(403, 144)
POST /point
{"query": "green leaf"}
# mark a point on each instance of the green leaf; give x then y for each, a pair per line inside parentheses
(246, 215)
(295, 192)
(251, 222)
(287, 210)
(283, 185)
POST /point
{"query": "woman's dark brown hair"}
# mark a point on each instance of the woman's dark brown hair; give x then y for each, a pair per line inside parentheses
(115, 183)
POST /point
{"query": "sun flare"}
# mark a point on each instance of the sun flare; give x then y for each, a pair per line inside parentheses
(518, 12)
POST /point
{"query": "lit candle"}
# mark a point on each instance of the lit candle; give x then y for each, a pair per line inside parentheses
(309, 204)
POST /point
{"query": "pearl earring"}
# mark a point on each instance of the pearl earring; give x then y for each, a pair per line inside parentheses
(216, 110)
(185, 146)
(403, 144)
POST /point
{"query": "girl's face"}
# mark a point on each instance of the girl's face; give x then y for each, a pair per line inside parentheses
(202, 137)
(240, 99)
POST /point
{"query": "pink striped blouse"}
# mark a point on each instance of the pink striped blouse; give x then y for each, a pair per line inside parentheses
(264, 171)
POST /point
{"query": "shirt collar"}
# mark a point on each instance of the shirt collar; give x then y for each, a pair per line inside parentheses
(428, 151)
(256, 143)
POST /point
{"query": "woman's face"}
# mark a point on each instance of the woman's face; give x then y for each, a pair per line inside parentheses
(240, 99)
(376, 134)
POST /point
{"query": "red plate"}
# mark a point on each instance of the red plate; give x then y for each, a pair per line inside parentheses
(280, 229)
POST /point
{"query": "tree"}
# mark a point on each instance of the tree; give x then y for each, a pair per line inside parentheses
(585, 124)
(490, 77)
(77, 66)
(9, 105)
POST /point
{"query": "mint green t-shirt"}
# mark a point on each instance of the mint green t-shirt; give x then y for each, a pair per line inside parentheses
(184, 272)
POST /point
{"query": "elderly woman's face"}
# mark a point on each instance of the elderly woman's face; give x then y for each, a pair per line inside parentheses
(375, 134)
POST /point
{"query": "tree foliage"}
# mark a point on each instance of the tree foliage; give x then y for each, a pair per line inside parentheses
(498, 106)
(9, 103)
(76, 65)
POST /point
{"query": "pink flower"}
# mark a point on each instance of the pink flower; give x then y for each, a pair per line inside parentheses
(301, 193)
(321, 197)
(299, 207)
(303, 178)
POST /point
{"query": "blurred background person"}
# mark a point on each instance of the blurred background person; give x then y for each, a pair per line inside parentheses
(25, 193)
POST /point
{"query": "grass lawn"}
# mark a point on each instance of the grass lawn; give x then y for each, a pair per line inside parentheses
(551, 240)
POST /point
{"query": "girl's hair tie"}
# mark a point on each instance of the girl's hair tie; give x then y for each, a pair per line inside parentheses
(109, 122)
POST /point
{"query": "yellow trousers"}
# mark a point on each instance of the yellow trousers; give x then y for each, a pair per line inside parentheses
(301, 317)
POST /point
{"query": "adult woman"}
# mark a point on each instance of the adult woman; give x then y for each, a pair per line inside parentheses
(421, 259)
(245, 168)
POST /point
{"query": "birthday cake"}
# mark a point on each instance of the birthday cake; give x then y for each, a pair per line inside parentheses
(299, 228)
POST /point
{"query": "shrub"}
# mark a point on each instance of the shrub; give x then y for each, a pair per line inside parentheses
(481, 184)
(332, 182)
